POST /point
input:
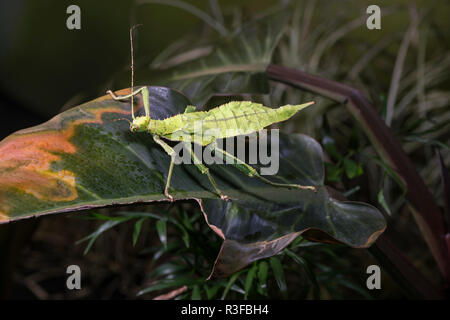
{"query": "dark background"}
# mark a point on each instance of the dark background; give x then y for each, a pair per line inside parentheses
(45, 67)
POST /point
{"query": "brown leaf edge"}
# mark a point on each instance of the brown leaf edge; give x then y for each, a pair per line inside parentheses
(236, 256)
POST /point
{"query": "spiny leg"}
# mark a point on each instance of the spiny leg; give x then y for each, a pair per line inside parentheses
(204, 170)
(251, 172)
(172, 155)
(115, 97)
(145, 97)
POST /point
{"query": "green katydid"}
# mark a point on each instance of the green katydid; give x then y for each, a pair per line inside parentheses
(204, 127)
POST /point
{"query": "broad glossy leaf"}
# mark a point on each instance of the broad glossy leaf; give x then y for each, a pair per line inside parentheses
(83, 158)
(278, 272)
(256, 226)
(236, 65)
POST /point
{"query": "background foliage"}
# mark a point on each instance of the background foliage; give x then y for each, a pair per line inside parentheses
(402, 68)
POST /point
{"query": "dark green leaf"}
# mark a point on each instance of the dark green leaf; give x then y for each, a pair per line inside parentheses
(137, 230)
(334, 173)
(161, 227)
(230, 283)
(382, 201)
(196, 293)
(249, 280)
(167, 269)
(430, 142)
(263, 271)
(305, 266)
(212, 291)
(278, 272)
(352, 169)
(259, 225)
(93, 236)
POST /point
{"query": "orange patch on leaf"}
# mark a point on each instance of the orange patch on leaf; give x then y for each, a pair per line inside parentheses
(98, 113)
(25, 167)
(121, 92)
(26, 159)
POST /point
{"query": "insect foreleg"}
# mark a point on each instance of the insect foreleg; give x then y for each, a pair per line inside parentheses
(113, 95)
(251, 172)
(172, 155)
(145, 97)
(204, 170)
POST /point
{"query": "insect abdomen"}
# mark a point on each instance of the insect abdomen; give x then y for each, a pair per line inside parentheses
(244, 117)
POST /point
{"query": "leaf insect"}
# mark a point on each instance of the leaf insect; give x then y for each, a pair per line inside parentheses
(204, 127)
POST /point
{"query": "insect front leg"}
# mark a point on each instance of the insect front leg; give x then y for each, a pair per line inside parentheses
(251, 172)
(115, 97)
(172, 155)
(145, 98)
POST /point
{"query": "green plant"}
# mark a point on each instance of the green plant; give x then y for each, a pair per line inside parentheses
(181, 259)
(386, 175)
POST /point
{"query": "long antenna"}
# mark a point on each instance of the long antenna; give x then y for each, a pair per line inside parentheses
(132, 67)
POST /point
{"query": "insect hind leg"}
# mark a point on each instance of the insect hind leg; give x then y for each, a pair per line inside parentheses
(251, 172)
(204, 170)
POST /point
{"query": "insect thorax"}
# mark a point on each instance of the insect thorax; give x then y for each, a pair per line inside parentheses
(166, 126)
